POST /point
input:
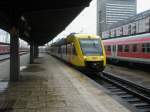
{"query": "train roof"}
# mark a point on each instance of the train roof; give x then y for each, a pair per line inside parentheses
(131, 36)
(81, 35)
(144, 38)
(71, 36)
(60, 42)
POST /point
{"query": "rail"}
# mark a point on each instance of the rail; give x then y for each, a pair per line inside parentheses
(136, 95)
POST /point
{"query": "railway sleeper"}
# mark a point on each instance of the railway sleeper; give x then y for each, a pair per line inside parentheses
(116, 90)
(143, 107)
(121, 93)
(134, 101)
(109, 85)
(127, 96)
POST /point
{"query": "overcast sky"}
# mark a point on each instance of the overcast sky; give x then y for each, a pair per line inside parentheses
(86, 21)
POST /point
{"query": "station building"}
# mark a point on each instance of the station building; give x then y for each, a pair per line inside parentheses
(112, 11)
(134, 25)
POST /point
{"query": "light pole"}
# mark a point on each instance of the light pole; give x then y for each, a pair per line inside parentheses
(101, 22)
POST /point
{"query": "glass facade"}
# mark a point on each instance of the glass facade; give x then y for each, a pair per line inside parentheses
(112, 11)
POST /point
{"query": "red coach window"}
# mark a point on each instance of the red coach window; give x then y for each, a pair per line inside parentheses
(134, 48)
(126, 48)
(143, 48)
(120, 48)
(108, 48)
(146, 47)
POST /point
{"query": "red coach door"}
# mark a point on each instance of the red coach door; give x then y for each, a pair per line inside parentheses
(114, 50)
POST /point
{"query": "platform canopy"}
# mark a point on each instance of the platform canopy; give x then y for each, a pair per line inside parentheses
(41, 20)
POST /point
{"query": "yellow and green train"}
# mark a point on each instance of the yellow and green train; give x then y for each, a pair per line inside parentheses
(81, 50)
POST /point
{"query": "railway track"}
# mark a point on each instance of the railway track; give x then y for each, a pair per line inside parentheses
(136, 96)
(4, 57)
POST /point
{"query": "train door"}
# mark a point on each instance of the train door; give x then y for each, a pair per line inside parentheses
(114, 50)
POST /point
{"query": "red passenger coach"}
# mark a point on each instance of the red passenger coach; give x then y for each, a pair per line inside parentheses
(131, 48)
(4, 48)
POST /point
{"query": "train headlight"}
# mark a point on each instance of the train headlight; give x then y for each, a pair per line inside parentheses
(101, 57)
(84, 57)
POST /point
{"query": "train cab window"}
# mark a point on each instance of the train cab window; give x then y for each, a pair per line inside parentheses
(126, 49)
(91, 46)
(120, 48)
(134, 48)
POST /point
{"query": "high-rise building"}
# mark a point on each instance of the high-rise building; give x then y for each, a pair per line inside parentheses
(112, 11)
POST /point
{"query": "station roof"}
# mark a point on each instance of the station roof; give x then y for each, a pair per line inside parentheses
(39, 21)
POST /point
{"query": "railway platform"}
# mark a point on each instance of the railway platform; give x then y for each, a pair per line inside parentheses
(49, 85)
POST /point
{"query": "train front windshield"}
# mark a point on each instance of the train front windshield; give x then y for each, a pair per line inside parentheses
(91, 46)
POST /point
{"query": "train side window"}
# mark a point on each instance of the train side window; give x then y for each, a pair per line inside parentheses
(144, 48)
(59, 50)
(108, 48)
(120, 48)
(74, 50)
(114, 48)
(134, 47)
(148, 47)
(149, 26)
(68, 49)
(126, 48)
(64, 49)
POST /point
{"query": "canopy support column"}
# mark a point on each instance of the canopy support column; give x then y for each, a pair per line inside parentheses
(14, 56)
(31, 53)
(36, 51)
